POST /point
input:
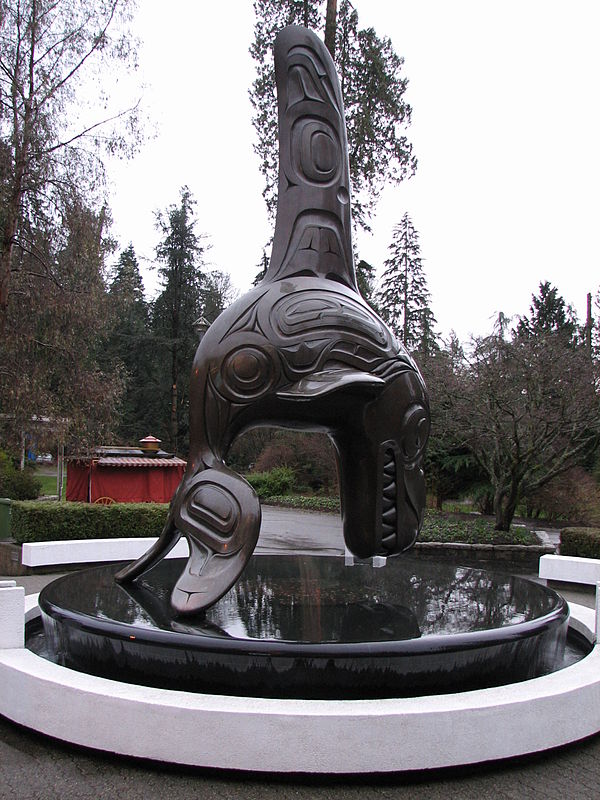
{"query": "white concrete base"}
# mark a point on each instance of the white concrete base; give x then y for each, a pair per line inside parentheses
(84, 551)
(12, 615)
(337, 736)
(570, 569)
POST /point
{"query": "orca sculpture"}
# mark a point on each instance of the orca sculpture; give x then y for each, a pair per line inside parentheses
(300, 350)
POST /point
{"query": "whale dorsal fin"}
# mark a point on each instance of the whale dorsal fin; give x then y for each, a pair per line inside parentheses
(313, 227)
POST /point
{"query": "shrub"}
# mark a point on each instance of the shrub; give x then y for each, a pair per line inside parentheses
(44, 522)
(323, 504)
(310, 455)
(572, 497)
(16, 484)
(583, 542)
(471, 530)
(278, 481)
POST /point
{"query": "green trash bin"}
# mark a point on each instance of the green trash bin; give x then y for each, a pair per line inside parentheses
(4, 518)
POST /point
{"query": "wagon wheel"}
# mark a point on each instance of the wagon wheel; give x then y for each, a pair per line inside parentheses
(104, 501)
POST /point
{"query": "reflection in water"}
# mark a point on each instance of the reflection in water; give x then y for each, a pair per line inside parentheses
(309, 626)
(319, 599)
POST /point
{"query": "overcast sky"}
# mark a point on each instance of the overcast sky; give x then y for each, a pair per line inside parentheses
(506, 128)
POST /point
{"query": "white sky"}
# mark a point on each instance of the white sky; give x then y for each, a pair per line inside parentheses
(506, 127)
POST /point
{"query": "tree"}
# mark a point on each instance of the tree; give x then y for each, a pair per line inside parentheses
(373, 91)
(403, 298)
(50, 139)
(548, 313)
(310, 455)
(130, 344)
(52, 357)
(595, 329)
(180, 253)
(365, 280)
(528, 409)
(450, 468)
(262, 266)
(217, 294)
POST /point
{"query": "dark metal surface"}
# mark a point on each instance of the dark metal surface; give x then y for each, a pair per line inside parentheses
(302, 350)
(310, 626)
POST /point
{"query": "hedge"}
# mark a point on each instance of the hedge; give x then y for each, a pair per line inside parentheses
(583, 542)
(45, 522)
(278, 481)
(324, 504)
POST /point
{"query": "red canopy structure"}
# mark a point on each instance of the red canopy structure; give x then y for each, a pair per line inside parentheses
(122, 475)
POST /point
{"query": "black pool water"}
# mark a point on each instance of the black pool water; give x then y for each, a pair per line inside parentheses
(309, 626)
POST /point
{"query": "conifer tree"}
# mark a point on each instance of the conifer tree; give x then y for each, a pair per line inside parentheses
(372, 86)
(548, 313)
(180, 254)
(403, 298)
(130, 343)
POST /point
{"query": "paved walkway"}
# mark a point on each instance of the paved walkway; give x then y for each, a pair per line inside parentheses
(33, 767)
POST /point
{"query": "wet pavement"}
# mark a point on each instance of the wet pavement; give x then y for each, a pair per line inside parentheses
(34, 767)
(285, 529)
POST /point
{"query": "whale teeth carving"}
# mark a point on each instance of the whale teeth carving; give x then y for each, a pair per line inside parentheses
(303, 350)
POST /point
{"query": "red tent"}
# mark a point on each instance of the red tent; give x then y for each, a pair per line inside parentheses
(124, 478)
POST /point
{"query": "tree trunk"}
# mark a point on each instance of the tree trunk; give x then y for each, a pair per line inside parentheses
(173, 421)
(505, 505)
(6, 247)
(5, 257)
(330, 26)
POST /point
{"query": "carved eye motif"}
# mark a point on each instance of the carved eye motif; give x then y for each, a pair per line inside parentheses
(248, 373)
(414, 433)
(315, 150)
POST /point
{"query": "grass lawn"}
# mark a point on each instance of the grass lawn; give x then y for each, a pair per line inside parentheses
(439, 526)
(49, 483)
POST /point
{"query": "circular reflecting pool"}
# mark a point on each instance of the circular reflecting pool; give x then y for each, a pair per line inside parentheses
(310, 626)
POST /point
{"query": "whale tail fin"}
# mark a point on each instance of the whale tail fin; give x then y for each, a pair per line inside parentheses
(313, 228)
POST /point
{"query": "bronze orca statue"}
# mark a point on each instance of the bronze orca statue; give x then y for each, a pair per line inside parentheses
(301, 350)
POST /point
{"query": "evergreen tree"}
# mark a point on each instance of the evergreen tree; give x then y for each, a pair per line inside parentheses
(365, 279)
(130, 342)
(262, 265)
(403, 298)
(180, 254)
(127, 287)
(548, 313)
(373, 91)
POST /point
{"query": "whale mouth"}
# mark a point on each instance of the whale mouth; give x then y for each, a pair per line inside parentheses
(400, 521)
(389, 508)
